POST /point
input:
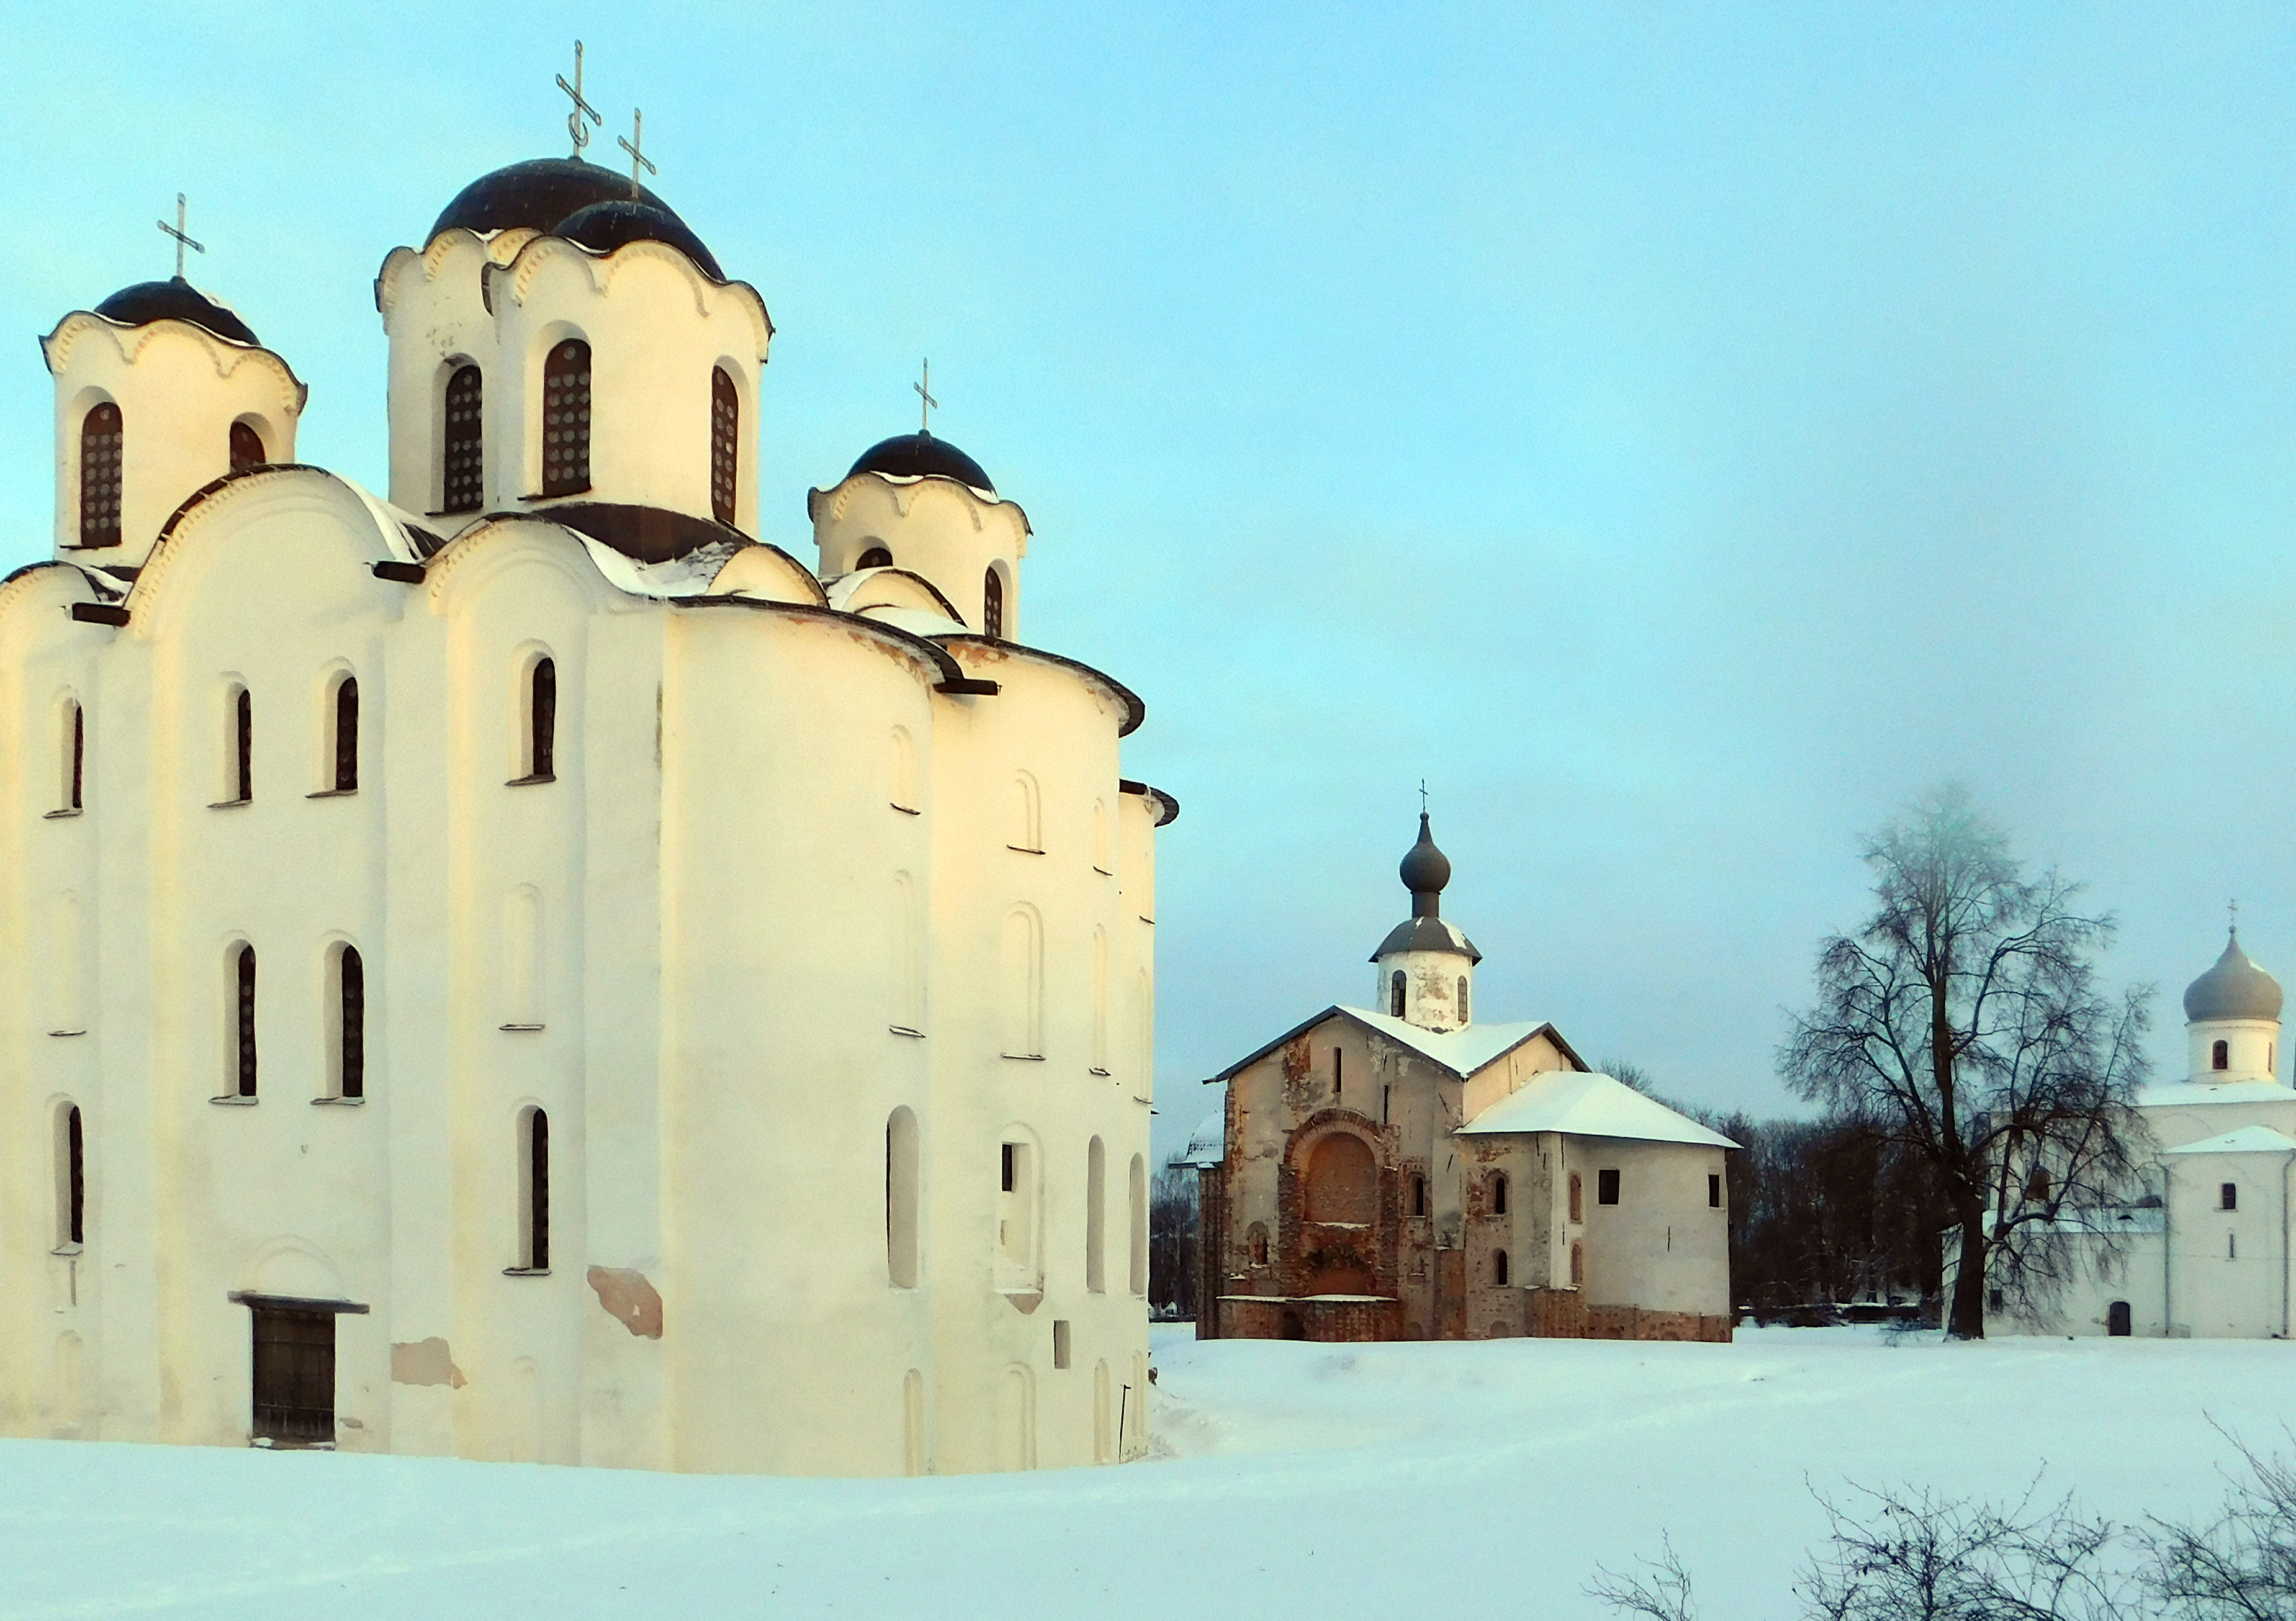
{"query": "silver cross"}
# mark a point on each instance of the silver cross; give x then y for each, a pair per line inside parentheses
(582, 108)
(182, 241)
(639, 159)
(924, 390)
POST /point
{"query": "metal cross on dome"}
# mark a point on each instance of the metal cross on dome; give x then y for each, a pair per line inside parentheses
(182, 241)
(582, 108)
(635, 146)
(924, 387)
(2233, 907)
(1423, 796)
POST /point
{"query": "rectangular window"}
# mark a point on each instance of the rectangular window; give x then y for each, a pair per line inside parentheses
(1339, 1068)
(1060, 1342)
(1006, 1183)
(1606, 1187)
(2230, 1197)
(1714, 1192)
(1993, 1300)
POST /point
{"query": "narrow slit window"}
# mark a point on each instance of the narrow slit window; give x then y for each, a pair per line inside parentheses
(725, 445)
(1419, 1195)
(1713, 1192)
(992, 605)
(246, 447)
(1577, 1200)
(76, 762)
(463, 442)
(542, 721)
(242, 748)
(535, 1174)
(102, 439)
(244, 1028)
(1498, 1193)
(347, 730)
(1463, 999)
(2220, 1055)
(1394, 994)
(566, 419)
(1498, 1266)
(73, 1227)
(350, 1013)
(1338, 1074)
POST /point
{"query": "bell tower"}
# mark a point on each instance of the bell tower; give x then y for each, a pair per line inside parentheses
(1426, 967)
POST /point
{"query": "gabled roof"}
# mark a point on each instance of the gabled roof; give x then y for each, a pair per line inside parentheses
(1463, 1052)
(2187, 1094)
(2248, 1139)
(1587, 1104)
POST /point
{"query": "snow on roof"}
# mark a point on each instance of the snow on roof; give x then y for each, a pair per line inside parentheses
(916, 622)
(687, 576)
(2248, 1139)
(1209, 1146)
(1590, 1106)
(1461, 1051)
(2185, 1094)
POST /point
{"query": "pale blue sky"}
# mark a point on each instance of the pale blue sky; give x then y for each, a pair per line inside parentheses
(1681, 434)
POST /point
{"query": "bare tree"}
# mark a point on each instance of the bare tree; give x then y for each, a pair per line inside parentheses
(1915, 1555)
(2241, 1566)
(1172, 1226)
(1962, 1023)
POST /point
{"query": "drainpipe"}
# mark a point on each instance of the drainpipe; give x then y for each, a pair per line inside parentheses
(2168, 1253)
(2287, 1165)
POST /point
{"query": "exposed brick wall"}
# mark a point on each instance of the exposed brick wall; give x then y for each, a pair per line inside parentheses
(1555, 1313)
(1633, 1322)
(1253, 1317)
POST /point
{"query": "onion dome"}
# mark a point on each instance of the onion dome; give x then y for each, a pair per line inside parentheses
(1424, 871)
(921, 456)
(603, 226)
(174, 300)
(2235, 989)
(534, 195)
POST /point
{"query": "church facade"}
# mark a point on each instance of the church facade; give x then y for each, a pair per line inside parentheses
(2203, 1249)
(1406, 1172)
(518, 968)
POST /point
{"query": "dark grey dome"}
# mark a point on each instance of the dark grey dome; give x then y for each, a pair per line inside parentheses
(2235, 989)
(917, 455)
(603, 226)
(175, 299)
(1425, 870)
(534, 195)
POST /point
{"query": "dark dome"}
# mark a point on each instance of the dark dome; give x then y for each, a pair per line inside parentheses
(2233, 988)
(603, 226)
(916, 456)
(172, 300)
(534, 195)
(1425, 870)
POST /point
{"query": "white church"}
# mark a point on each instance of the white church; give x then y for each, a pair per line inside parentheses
(2203, 1249)
(519, 967)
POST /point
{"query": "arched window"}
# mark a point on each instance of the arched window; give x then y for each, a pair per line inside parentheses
(1096, 1217)
(71, 1179)
(566, 419)
(1577, 1266)
(1016, 1216)
(1342, 1181)
(1024, 987)
(246, 447)
(542, 722)
(75, 754)
(463, 442)
(901, 1198)
(534, 1192)
(992, 604)
(347, 735)
(1498, 1193)
(1099, 1065)
(1577, 1200)
(243, 974)
(2220, 1055)
(1419, 1195)
(1394, 994)
(875, 558)
(1463, 999)
(725, 444)
(1498, 1266)
(1139, 1225)
(350, 1024)
(242, 746)
(1255, 1243)
(102, 441)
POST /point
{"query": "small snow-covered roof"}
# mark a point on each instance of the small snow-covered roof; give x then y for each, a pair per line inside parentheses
(1587, 1104)
(2248, 1139)
(1209, 1146)
(1463, 1052)
(2186, 1094)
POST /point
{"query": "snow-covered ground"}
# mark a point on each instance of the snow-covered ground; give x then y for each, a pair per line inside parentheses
(1301, 1480)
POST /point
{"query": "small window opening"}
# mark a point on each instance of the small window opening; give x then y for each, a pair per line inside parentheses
(1006, 1174)
(2228, 1196)
(566, 419)
(2220, 1055)
(535, 1174)
(1578, 1266)
(1714, 1192)
(1498, 1193)
(243, 747)
(246, 447)
(1338, 1074)
(102, 443)
(463, 442)
(725, 445)
(1498, 1266)
(1577, 1202)
(350, 1015)
(1394, 994)
(76, 741)
(875, 558)
(2037, 1185)
(74, 1225)
(1419, 1195)
(2232, 1246)
(1463, 999)
(992, 605)
(243, 984)
(542, 721)
(1606, 1187)
(1060, 1342)
(1995, 1300)
(346, 727)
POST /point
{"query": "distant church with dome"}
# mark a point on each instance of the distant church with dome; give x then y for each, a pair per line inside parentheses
(2203, 1248)
(1408, 1171)
(519, 967)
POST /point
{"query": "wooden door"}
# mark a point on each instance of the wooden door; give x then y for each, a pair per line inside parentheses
(294, 1375)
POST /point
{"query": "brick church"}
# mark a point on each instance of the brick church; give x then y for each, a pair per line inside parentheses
(1411, 1174)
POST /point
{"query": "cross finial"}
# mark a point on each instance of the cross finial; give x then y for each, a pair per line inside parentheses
(2233, 907)
(182, 241)
(582, 108)
(924, 391)
(1423, 796)
(635, 147)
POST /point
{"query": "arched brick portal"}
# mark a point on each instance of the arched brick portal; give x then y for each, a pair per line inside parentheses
(1342, 1181)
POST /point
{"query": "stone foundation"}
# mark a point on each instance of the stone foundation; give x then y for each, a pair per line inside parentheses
(1565, 1314)
(1329, 1318)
